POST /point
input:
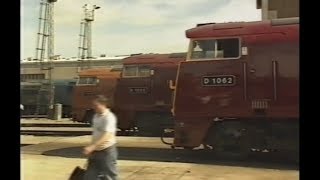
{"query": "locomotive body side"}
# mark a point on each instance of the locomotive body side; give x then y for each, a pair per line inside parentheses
(249, 83)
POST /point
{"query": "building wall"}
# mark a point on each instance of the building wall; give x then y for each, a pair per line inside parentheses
(273, 9)
(64, 70)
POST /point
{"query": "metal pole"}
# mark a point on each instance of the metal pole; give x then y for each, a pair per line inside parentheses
(44, 35)
(80, 40)
(89, 44)
(50, 54)
(39, 29)
(86, 53)
(50, 31)
(84, 56)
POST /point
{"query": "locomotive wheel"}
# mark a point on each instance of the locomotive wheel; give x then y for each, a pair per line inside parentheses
(229, 137)
(284, 138)
(150, 124)
(188, 148)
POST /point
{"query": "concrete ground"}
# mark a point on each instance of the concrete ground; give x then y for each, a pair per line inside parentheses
(54, 158)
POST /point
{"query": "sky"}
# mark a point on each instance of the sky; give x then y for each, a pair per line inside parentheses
(124, 27)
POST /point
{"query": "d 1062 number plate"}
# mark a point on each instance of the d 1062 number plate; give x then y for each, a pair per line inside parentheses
(223, 80)
(138, 90)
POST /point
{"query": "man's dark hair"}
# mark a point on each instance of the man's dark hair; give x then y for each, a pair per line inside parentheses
(102, 100)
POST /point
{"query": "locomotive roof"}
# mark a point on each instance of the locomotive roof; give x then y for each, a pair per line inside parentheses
(98, 71)
(154, 58)
(240, 28)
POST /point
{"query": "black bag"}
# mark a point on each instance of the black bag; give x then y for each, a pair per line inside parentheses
(77, 174)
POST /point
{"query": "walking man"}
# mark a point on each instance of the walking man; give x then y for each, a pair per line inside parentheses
(102, 152)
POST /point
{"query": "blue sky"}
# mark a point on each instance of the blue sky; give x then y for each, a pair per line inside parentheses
(131, 26)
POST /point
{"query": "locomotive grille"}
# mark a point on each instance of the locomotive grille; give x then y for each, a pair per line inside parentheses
(260, 104)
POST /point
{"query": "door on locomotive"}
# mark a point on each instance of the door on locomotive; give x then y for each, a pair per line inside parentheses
(239, 72)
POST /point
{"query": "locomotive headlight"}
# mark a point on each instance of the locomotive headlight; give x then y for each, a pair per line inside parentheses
(244, 51)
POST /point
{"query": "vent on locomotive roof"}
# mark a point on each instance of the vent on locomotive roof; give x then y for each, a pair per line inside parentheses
(202, 24)
(178, 55)
(116, 69)
(135, 54)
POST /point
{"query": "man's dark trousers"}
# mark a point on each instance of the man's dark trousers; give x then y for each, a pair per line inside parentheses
(103, 164)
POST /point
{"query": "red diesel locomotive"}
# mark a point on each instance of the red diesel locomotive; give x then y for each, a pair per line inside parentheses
(239, 87)
(143, 98)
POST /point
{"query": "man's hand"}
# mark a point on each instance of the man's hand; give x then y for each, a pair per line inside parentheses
(88, 150)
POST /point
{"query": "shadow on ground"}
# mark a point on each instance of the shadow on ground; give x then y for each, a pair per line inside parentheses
(21, 145)
(184, 156)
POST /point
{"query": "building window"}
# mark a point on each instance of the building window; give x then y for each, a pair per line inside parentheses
(213, 49)
(136, 71)
(30, 77)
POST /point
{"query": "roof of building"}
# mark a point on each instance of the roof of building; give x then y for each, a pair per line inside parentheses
(115, 58)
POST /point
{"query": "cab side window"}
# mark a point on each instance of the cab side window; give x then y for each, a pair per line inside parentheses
(130, 71)
(136, 71)
(82, 80)
(87, 81)
(144, 71)
(212, 49)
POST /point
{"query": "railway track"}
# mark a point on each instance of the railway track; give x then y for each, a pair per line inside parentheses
(55, 131)
(46, 127)
(43, 127)
(55, 125)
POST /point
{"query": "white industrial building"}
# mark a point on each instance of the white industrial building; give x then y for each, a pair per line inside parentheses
(65, 68)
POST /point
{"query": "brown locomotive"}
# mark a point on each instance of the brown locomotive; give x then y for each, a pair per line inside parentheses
(92, 82)
(239, 87)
